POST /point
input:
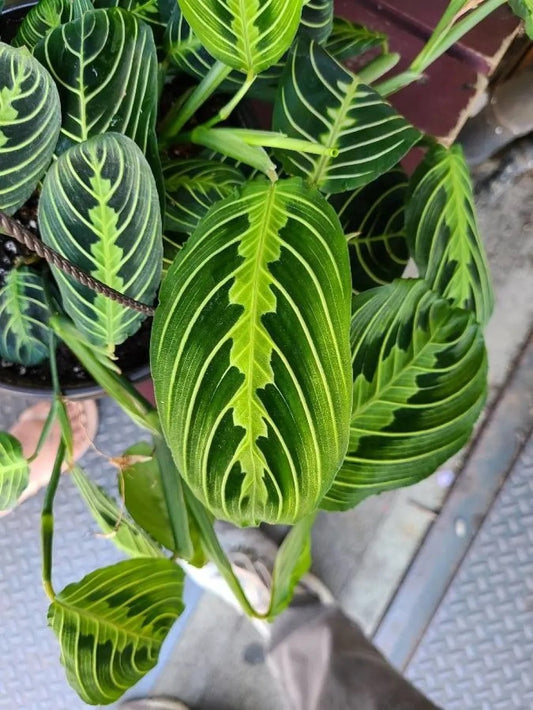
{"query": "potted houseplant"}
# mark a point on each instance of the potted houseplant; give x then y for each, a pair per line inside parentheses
(294, 368)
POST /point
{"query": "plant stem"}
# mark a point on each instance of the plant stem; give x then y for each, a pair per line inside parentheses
(227, 142)
(174, 122)
(47, 522)
(117, 386)
(216, 553)
(270, 139)
(446, 34)
(227, 109)
(52, 414)
(172, 485)
(379, 66)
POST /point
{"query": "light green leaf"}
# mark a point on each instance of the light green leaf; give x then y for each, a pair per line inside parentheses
(144, 495)
(30, 119)
(24, 314)
(250, 353)
(319, 100)
(99, 208)
(348, 39)
(317, 20)
(292, 562)
(249, 36)
(113, 521)
(420, 380)
(40, 20)
(111, 625)
(443, 235)
(192, 186)
(104, 90)
(14, 471)
(373, 217)
(145, 500)
(524, 9)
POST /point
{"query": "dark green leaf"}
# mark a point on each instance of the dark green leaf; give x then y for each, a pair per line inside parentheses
(374, 217)
(250, 353)
(320, 100)
(111, 625)
(192, 186)
(348, 39)
(30, 119)
(112, 520)
(317, 20)
(99, 208)
(14, 471)
(148, 11)
(420, 380)
(40, 20)
(103, 90)
(24, 314)
(442, 232)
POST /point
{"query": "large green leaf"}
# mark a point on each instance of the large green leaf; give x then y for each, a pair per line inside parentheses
(249, 36)
(103, 90)
(524, 9)
(373, 217)
(14, 471)
(348, 39)
(40, 20)
(317, 19)
(320, 100)
(443, 235)
(111, 625)
(99, 208)
(24, 314)
(30, 119)
(113, 521)
(250, 353)
(420, 372)
(192, 186)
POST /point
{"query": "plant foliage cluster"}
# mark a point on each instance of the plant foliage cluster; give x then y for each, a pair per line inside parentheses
(294, 368)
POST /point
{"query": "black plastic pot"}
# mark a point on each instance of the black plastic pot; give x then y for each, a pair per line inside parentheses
(29, 381)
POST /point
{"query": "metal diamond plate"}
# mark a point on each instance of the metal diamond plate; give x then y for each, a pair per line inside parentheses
(31, 677)
(477, 653)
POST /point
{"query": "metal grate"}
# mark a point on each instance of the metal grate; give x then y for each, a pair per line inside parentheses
(477, 653)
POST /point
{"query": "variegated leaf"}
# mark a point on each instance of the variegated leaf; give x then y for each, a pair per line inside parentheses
(320, 100)
(373, 218)
(30, 119)
(101, 90)
(112, 623)
(40, 20)
(420, 380)
(192, 186)
(153, 12)
(24, 314)
(249, 36)
(250, 353)
(348, 39)
(443, 235)
(99, 208)
(113, 520)
(14, 471)
(317, 19)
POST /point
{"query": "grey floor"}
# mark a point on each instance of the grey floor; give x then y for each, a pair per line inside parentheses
(216, 663)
